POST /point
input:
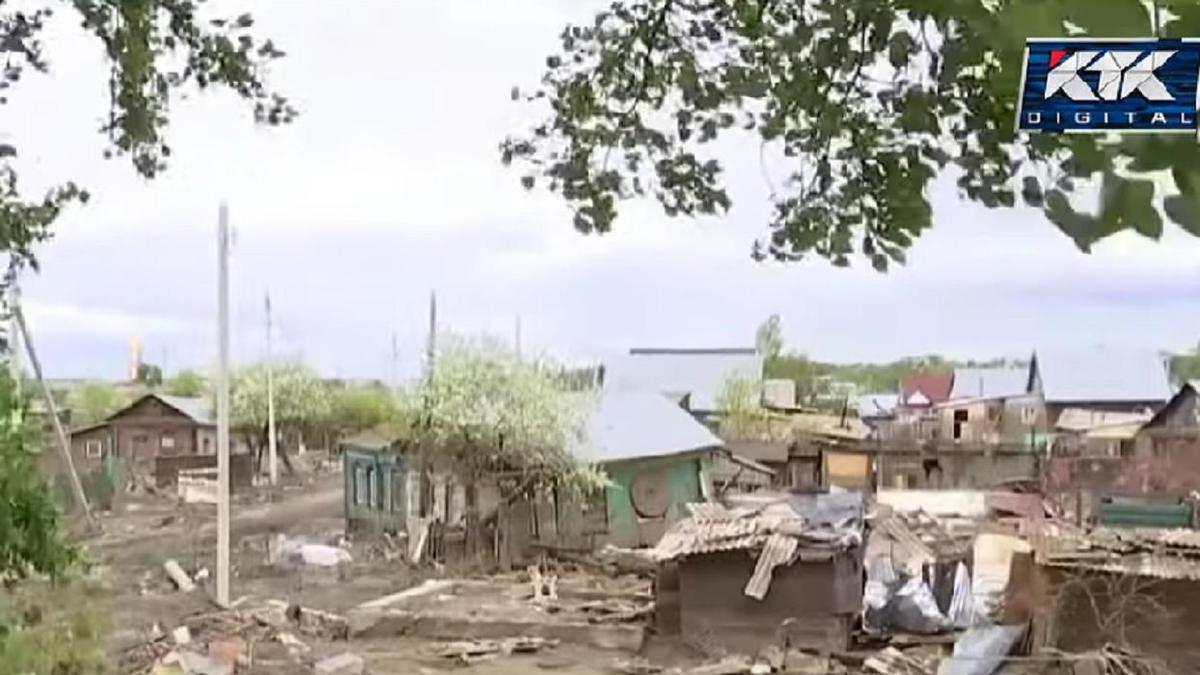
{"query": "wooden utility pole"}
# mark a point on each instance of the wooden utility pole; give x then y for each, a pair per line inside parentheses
(272, 441)
(64, 445)
(223, 406)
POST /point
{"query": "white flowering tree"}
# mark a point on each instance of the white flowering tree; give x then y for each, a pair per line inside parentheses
(490, 415)
(302, 402)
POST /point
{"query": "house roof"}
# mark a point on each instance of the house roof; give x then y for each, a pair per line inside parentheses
(1000, 382)
(925, 388)
(701, 373)
(197, 409)
(781, 528)
(638, 425)
(1103, 375)
(1180, 398)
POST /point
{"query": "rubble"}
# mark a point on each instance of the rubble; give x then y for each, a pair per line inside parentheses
(342, 664)
(181, 579)
(468, 651)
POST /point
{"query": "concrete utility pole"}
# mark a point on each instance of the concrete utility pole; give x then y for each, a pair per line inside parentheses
(431, 344)
(272, 441)
(223, 406)
(14, 333)
(395, 363)
(64, 445)
(517, 337)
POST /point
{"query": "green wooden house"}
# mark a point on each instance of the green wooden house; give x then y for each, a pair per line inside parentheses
(657, 457)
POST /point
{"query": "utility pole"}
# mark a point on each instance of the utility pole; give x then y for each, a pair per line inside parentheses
(517, 337)
(395, 364)
(64, 446)
(272, 441)
(431, 344)
(223, 406)
(14, 332)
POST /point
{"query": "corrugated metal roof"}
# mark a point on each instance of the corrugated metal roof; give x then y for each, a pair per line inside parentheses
(1103, 374)
(702, 373)
(830, 521)
(1001, 382)
(198, 409)
(637, 425)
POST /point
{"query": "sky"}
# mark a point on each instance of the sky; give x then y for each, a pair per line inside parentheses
(389, 186)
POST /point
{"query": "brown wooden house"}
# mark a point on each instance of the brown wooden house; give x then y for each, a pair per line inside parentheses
(152, 427)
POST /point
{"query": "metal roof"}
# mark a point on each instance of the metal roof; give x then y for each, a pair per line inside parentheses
(198, 409)
(1103, 375)
(1000, 382)
(702, 373)
(637, 425)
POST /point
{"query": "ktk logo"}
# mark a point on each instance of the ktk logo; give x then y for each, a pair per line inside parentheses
(1122, 72)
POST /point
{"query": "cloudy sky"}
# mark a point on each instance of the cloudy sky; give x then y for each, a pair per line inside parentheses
(389, 186)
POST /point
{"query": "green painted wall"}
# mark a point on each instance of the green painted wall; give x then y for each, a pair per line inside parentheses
(682, 478)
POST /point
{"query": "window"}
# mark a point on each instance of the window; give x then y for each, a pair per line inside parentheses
(93, 448)
(360, 485)
(1028, 415)
(167, 442)
(207, 446)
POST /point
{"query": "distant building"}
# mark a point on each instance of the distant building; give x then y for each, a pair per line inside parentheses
(694, 377)
(978, 408)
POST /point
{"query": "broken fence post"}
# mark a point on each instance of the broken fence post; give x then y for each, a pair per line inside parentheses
(181, 578)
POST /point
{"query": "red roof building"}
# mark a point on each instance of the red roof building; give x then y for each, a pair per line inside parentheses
(925, 389)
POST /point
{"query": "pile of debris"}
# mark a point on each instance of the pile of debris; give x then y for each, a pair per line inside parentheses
(1150, 552)
(221, 642)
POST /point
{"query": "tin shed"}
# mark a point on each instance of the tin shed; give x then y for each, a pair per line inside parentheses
(768, 570)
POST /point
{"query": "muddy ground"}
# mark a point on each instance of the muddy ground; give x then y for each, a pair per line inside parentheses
(130, 551)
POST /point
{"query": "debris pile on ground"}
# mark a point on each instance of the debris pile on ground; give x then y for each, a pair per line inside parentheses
(467, 652)
(215, 643)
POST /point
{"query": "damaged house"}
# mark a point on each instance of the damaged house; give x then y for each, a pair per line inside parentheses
(656, 457)
(769, 569)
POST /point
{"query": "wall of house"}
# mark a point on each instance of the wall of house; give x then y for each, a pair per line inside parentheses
(982, 424)
(954, 469)
(664, 485)
(150, 429)
(98, 439)
(819, 598)
(1023, 417)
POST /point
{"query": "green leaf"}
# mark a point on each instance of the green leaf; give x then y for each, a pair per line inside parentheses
(1184, 211)
(1110, 18)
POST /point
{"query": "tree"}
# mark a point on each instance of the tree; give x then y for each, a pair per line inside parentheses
(301, 402)
(155, 51)
(742, 413)
(867, 101)
(185, 383)
(149, 375)
(357, 408)
(95, 401)
(31, 538)
(485, 411)
(769, 338)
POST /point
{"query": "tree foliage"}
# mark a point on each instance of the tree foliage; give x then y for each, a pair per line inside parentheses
(354, 408)
(866, 101)
(185, 383)
(155, 51)
(31, 538)
(301, 398)
(769, 337)
(743, 416)
(93, 402)
(485, 410)
(149, 375)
